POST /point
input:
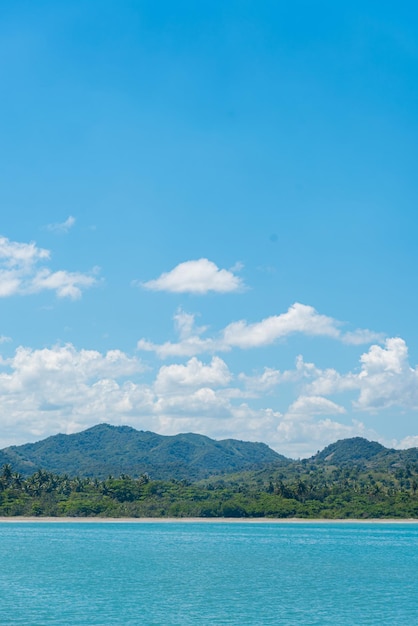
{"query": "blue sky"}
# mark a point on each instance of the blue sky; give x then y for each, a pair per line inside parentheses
(209, 220)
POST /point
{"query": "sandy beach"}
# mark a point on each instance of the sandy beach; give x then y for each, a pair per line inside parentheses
(201, 520)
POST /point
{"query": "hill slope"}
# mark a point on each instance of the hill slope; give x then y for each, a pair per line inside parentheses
(104, 450)
(358, 451)
(349, 451)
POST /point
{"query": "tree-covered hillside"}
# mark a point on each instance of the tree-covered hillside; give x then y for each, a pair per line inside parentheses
(304, 492)
(348, 451)
(105, 449)
(340, 482)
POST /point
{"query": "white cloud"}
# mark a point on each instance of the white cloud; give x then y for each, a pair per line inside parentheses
(62, 227)
(10, 281)
(57, 389)
(198, 277)
(188, 347)
(65, 284)
(198, 403)
(361, 336)
(299, 318)
(306, 407)
(269, 379)
(407, 442)
(21, 273)
(65, 363)
(393, 358)
(190, 342)
(193, 374)
(386, 378)
(62, 389)
(16, 254)
(304, 438)
(185, 324)
(329, 381)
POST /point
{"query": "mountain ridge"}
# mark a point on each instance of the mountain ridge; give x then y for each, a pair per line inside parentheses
(349, 450)
(104, 450)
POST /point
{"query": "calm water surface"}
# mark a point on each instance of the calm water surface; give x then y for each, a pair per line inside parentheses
(208, 573)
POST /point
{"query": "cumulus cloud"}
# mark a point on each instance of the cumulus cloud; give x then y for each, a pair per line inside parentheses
(204, 401)
(62, 389)
(62, 227)
(269, 379)
(193, 374)
(65, 284)
(299, 318)
(329, 381)
(185, 324)
(22, 272)
(307, 406)
(190, 343)
(66, 362)
(16, 254)
(197, 277)
(301, 439)
(386, 379)
(188, 347)
(44, 391)
(411, 441)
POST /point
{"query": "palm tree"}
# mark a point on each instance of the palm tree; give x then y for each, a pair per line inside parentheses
(6, 473)
(17, 479)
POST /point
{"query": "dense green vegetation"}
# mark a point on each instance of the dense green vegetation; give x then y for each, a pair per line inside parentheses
(303, 489)
(104, 449)
(191, 476)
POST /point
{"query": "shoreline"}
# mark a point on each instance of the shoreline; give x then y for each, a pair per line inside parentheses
(201, 520)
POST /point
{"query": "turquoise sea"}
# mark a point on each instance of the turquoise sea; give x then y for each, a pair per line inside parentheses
(208, 573)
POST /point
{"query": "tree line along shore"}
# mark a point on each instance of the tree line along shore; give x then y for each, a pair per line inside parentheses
(302, 490)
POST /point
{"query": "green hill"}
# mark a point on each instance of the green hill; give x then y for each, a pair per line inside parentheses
(114, 450)
(121, 472)
(349, 451)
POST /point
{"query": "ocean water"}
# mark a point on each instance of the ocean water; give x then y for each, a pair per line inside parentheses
(208, 573)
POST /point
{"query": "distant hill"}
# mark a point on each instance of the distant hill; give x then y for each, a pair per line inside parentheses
(191, 475)
(358, 451)
(349, 451)
(113, 450)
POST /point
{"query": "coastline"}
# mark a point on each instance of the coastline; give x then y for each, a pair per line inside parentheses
(202, 520)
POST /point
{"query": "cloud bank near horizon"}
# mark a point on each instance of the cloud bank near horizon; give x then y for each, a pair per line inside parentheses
(296, 411)
(63, 389)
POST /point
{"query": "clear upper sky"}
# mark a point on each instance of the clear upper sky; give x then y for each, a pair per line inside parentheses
(209, 219)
